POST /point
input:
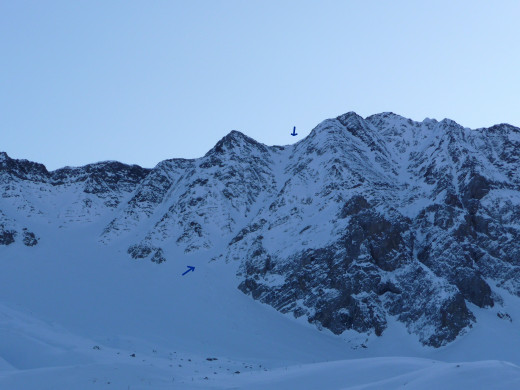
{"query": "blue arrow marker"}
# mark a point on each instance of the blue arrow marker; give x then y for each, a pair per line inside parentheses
(294, 133)
(190, 268)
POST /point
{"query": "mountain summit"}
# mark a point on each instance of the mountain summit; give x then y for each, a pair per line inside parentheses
(364, 222)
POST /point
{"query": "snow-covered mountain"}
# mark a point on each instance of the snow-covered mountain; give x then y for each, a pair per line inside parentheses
(365, 226)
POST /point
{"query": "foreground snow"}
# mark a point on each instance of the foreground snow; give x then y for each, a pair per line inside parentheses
(118, 370)
(39, 355)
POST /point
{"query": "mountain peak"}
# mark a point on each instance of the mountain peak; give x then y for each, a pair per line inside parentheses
(349, 118)
(237, 137)
(385, 121)
(236, 133)
(449, 122)
(387, 114)
(23, 169)
(232, 141)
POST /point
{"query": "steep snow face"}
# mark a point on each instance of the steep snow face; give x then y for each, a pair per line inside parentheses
(363, 222)
(400, 219)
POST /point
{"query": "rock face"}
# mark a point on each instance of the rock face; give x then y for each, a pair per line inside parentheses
(29, 238)
(385, 217)
(364, 220)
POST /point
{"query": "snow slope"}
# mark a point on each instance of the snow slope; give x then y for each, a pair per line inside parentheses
(64, 304)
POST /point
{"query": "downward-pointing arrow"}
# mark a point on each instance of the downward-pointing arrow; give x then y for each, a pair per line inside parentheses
(294, 133)
(190, 268)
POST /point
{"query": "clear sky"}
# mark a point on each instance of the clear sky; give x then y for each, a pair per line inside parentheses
(142, 81)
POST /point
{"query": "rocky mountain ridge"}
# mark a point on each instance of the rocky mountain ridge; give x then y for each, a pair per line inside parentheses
(363, 221)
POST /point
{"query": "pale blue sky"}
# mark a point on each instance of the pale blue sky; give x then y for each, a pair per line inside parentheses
(143, 81)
